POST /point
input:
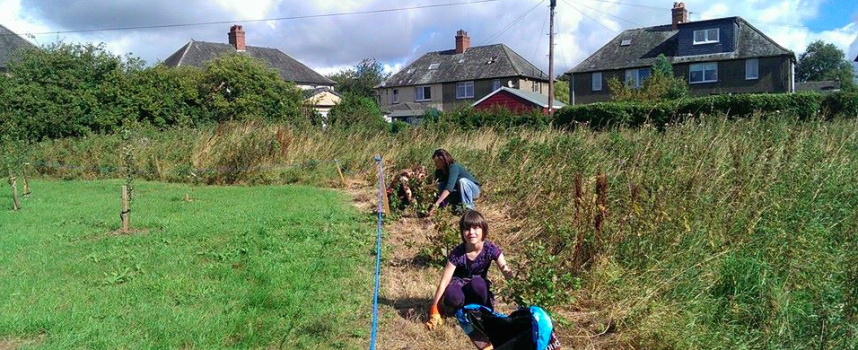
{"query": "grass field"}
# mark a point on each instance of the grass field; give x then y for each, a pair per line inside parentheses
(236, 267)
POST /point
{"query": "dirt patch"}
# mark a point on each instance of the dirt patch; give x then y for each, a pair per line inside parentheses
(408, 284)
(131, 232)
(10, 343)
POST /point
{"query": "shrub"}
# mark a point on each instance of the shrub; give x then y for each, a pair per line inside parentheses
(355, 111)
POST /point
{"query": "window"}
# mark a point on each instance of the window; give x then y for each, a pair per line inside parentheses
(752, 69)
(597, 81)
(423, 93)
(635, 77)
(496, 84)
(706, 36)
(535, 86)
(395, 97)
(465, 89)
(703, 73)
(434, 66)
(626, 42)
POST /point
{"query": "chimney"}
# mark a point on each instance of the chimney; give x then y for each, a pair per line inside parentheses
(463, 41)
(680, 14)
(236, 37)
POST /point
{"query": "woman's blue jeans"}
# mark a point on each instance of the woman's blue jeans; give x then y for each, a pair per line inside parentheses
(465, 191)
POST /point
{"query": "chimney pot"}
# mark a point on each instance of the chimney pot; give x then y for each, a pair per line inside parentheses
(236, 38)
(679, 14)
(463, 41)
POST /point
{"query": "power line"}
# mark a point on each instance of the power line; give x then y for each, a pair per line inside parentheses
(617, 17)
(591, 18)
(634, 5)
(493, 37)
(193, 24)
(539, 42)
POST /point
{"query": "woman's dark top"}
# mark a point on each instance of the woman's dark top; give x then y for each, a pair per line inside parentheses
(448, 180)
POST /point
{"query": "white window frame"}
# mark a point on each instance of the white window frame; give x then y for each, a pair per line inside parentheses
(418, 96)
(633, 77)
(462, 90)
(752, 65)
(535, 87)
(596, 81)
(707, 36)
(703, 68)
(394, 98)
(496, 84)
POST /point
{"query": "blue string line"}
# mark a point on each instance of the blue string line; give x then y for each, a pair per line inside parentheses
(377, 253)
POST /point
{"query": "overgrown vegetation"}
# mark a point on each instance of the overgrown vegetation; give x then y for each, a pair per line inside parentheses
(708, 233)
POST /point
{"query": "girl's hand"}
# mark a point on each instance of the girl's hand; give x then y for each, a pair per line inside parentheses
(435, 320)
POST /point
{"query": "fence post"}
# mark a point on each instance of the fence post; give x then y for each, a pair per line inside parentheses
(26, 183)
(14, 182)
(125, 211)
(340, 171)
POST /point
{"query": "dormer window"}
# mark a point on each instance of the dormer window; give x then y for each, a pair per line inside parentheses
(706, 36)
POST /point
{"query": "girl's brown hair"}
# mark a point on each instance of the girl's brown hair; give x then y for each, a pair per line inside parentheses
(445, 156)
(473, 218)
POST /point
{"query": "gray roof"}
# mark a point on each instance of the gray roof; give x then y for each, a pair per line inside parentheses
(647, 43)
(313, 92)
(530, 96)
(407, 109)
(9, 44)
(196, 53)
(818, 86)
(480, 62)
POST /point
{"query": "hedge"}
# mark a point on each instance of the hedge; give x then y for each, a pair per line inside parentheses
(800, 105)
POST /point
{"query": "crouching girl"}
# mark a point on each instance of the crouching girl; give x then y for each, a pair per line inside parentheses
(464, 279)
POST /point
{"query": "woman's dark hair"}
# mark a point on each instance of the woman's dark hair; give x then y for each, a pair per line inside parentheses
(444, 155)
(473, 218)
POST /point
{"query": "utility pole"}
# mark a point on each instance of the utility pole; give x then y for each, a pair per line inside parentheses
(551, 61)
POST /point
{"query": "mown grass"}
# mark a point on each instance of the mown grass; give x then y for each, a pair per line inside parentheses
(713, 233)
(237, 267)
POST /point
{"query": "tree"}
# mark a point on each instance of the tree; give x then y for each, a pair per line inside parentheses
(660, 86)
(362, 79)
(561, 89)
(825, 61)
(238, 87)
(356, 111)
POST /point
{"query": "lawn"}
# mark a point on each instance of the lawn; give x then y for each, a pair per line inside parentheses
(233, 267)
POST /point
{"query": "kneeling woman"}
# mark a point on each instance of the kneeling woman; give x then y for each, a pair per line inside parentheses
(455, 184)
(464, 280)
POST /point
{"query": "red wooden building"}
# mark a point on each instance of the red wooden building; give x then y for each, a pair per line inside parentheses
(515, 100)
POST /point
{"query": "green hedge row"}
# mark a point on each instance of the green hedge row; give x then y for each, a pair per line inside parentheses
(800, 105)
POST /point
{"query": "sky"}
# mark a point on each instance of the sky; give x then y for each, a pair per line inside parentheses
(395, 38)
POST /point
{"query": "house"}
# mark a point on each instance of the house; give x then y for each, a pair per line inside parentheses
(197, 53)
(518, 101)
(10, 44)
(444, 80)
(323, 99)
(716, 56)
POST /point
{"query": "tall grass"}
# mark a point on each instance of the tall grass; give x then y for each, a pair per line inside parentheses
(712, 233)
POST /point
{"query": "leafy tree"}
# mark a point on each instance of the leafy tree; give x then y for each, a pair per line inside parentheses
(238, 87)
(164, 96)
(660, 86)
(561, 89)
(825, 61)
(68, 90)
(356, 111)
(360, 80)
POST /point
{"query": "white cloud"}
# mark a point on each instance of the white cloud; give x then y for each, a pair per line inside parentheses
(396, 38)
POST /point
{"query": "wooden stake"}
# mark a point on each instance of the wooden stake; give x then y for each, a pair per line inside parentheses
(14, 182)
(125, 211)
(385, 201)
(340, 171)
(26, 183)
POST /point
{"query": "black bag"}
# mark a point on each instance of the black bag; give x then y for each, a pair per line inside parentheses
(525, 329)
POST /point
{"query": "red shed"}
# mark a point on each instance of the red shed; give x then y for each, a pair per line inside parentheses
(518, 101)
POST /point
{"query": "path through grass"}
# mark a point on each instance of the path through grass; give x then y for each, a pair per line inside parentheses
(237, 267)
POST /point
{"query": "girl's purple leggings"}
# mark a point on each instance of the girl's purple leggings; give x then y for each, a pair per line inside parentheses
(462, 292)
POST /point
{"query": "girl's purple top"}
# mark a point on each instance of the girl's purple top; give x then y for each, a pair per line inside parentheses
(466, 268)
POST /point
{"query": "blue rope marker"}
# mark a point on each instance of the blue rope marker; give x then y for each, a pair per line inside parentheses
(377, 253)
